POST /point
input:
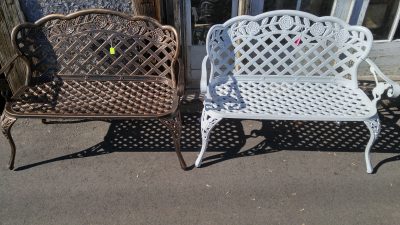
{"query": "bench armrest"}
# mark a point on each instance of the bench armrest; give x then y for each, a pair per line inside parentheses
(393, 89)
(204, 76)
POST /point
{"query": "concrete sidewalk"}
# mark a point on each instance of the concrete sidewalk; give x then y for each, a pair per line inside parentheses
(255, 173)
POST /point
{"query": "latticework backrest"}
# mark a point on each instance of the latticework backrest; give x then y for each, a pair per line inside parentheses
(287, 43)
(79, 45)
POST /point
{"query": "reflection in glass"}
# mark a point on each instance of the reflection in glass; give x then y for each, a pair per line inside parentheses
(316, 7)
(206, 13)
(380, 16)
(397, 34)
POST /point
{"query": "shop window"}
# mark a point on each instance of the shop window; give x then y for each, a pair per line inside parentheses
(380, 17)
(206, 13)
(316, 7)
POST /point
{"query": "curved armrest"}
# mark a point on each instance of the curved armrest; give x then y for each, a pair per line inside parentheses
(393, 89)
(204, 76)
(180, 78)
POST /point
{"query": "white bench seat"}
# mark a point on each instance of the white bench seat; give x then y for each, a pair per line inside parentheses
(285, 100)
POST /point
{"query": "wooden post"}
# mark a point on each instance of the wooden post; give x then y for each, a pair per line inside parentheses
(243, 7)
(10, 16)
(151, 8)
(179, 25)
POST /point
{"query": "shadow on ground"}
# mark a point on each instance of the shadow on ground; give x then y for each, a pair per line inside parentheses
(228, 137)
(152, 136)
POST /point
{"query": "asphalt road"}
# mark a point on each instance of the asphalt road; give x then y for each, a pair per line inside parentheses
(255, 173)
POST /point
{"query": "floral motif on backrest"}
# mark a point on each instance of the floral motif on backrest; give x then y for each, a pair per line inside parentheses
(80, 45)
(289, 43)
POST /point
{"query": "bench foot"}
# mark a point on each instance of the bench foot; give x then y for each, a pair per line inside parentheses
(374, 127)
(207, 124)
(174, 125)
(7, 122)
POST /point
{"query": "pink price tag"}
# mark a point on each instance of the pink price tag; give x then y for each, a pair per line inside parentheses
(297, 41)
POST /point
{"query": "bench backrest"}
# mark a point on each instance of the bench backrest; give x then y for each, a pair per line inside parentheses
(266, 45)
(78, 45)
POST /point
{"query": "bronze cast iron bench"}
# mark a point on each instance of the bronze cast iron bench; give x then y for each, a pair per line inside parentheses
(96, 64)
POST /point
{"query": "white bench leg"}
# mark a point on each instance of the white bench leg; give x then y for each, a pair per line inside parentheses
(207, 123)
(374, 127)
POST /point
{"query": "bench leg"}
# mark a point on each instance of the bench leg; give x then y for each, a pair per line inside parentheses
(207, 124)
(174, 125)
(374, 127)
(7, 122)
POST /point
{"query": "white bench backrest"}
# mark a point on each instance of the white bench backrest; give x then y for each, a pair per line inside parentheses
(266, 45)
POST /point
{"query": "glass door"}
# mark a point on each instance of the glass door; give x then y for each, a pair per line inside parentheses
(200, 16)
(205, 13)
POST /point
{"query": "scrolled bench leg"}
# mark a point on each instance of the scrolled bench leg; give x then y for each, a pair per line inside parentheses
(374, 127)
(174, 125)
(7, 122)
(207, 124)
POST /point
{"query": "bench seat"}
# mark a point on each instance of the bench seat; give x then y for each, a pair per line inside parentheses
(288, 100)
(95, 98)
(95, 64)
(289, 65)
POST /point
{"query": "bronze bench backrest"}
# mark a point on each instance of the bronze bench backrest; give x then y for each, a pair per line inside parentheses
(78, 46)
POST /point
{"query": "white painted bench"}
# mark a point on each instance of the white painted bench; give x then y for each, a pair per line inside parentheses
(289, 65)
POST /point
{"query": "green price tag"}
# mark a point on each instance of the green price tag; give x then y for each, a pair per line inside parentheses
(112, 51)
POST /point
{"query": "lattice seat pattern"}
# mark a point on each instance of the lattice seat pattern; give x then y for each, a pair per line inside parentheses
(96, 98)
(289, 65)
(284, 100)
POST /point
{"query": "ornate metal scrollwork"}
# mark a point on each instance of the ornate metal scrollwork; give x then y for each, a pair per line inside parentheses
(374, 126)
(208, 122)
(7, 122)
